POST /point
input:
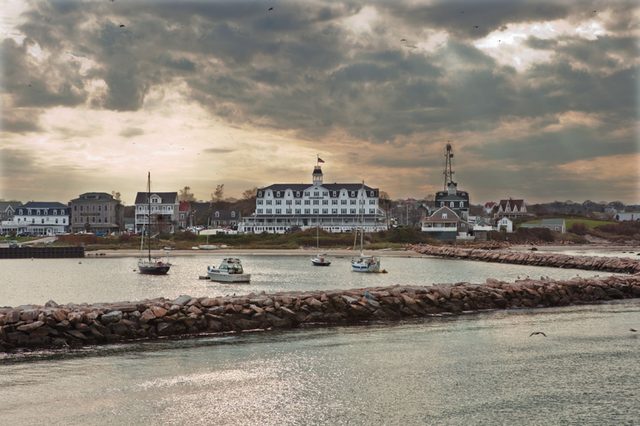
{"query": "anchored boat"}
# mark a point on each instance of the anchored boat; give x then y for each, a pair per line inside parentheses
(229, 271)
(149, 266)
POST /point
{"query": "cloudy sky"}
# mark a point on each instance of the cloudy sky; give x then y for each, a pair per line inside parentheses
(538, 98)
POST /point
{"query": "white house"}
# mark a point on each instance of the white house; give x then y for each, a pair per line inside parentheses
(335, 207)
(164, 211)
(504, 223)
(38, 218)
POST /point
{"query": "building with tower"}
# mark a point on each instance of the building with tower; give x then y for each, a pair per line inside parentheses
(334, 207)
(450, 219)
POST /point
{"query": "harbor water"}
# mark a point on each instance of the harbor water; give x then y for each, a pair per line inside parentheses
(481, 368)
(95, 280)
(471, 369)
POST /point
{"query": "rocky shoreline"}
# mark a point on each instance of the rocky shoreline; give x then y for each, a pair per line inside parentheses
(76, 325)
(534, 258)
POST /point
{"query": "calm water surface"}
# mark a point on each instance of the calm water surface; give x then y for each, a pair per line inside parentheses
(473, 369)
(36, 281)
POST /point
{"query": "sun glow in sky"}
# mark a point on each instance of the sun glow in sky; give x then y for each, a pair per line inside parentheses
(539, 99)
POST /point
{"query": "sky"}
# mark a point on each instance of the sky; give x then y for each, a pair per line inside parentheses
(539, 99)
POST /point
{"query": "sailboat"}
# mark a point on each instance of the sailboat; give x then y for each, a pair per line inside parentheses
(320, 259)
(364, 263)
(151, 266)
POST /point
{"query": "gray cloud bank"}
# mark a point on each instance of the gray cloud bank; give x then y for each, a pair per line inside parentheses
(302, 67)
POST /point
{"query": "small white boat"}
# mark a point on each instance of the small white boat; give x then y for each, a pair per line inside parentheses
(365, 264)
(320, 260)
(229, 271)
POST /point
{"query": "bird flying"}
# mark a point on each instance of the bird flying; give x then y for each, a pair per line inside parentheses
(537, 332)
(270, 9)
(633, 330)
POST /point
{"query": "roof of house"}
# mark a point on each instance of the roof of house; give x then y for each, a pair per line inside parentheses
(165, 197)
(44, 205)
(513, 203)
(4, 205)
(301, 187)
(437, 216)
(93, 196)
(224, 214)
(553, 222)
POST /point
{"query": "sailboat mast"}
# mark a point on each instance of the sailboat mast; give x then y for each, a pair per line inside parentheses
(361, 219)
(149, 213)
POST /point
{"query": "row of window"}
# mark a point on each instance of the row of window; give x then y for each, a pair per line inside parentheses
(90, 219)
(143, 207)
(452, 204)
(33, 220)
(334, 194)
(92, 207)
(314, 202)
(313, 211)
(41, 212)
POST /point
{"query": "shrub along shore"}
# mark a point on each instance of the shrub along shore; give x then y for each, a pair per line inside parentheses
(75, 325)
(555, 260)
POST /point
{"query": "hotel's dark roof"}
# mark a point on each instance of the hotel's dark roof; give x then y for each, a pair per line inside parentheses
(166, 197)
(301, 187)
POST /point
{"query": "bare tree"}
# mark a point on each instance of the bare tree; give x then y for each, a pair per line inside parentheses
(186, 194)
(218, 194)
(250, 193)
(115, 195)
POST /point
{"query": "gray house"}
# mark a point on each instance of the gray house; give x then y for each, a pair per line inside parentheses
(8, 209)
(96, 212)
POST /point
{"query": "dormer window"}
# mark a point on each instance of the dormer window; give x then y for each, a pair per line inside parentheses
(335, 194)
(444, 215)
(277, 193)
(260, 194)
(297, 193)
(353, 194)
(217, 214)
(233, 214)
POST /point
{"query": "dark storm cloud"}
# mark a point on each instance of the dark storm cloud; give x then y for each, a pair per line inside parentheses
(558, 147)
(52, 83)
(474, 19)
(300, 68)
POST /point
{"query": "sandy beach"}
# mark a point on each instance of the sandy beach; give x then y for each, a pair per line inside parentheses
(252, 252)
(339, 252)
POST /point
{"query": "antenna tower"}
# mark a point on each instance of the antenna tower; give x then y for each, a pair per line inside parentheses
(448, 170)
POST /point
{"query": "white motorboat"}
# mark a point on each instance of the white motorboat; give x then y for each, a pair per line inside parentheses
(320, 260)
(229, 271)
(365, 264)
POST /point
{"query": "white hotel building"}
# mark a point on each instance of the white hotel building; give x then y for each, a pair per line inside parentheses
(38, 218)
(335, 207)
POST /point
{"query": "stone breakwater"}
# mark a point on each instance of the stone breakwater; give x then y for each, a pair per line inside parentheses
(75, 325)
(555, 260)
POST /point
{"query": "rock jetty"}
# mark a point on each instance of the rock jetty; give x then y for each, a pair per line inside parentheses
(555, 260)
(75, 325)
